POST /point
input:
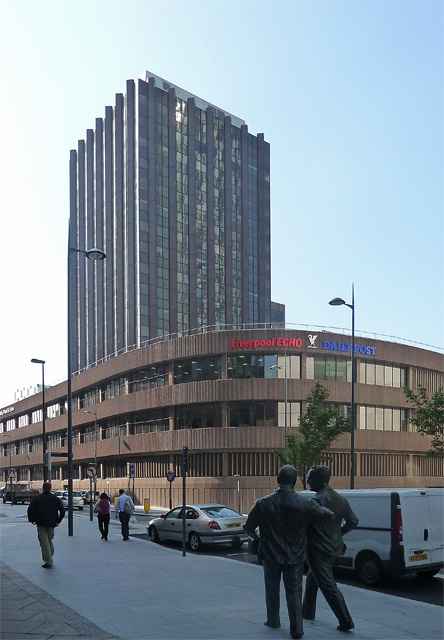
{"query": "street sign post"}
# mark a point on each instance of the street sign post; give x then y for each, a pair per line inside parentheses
(91, 472)
(131, 471)
(171, 477)
(12, 475)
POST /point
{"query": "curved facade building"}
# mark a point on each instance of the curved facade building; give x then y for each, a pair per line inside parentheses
(219, 394)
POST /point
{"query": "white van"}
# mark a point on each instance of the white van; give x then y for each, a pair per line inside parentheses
(400, 531)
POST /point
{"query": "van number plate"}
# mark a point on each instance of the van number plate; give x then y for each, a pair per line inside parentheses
(423, 556)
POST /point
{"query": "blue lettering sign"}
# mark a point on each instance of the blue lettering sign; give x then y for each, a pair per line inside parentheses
(346, 346)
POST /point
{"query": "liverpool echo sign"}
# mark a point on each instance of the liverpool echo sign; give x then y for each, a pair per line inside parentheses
(295, 343)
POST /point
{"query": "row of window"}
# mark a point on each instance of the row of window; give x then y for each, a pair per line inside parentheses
(208, 415)
(243, 366)
(262, 463)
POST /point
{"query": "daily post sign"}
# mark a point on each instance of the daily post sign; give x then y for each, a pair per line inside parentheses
(296, 343)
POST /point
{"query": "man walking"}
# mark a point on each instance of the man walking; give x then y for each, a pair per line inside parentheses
(283, 518)
(324, 544)
(47, 512)
(123, 511)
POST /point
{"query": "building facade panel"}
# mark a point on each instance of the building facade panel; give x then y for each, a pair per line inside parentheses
(216, 393)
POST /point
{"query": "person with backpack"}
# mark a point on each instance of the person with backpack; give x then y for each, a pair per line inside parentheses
(124, 510)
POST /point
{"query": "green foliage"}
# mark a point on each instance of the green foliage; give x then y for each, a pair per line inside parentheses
(318, 428)
(428, 418)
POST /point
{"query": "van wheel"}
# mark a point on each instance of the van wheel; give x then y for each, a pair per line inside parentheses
(195, 542)
(369, 569)
(426, 575)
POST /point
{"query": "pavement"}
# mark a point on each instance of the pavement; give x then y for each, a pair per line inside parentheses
(140, 590)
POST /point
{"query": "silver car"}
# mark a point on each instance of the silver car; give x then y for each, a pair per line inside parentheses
(77, 500)
(205, 524)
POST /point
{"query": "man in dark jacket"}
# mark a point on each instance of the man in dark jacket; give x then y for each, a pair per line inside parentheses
(324, 544)
(283, 518)
(47, 512)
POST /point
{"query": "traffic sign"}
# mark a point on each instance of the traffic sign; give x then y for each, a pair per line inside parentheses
(12, 474)
(91, 470)
(170, 476)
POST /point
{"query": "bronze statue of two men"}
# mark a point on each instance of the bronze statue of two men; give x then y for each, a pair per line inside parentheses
(294, 528)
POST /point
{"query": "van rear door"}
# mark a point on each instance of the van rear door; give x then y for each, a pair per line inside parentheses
(416, 528)
(435, 501)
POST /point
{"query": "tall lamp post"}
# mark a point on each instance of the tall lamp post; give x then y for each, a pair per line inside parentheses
(42, 362)
(336, 302)
(8, 435)
(275, 367)
(91, 254)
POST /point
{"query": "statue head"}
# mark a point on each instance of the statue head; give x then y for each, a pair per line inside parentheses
(318, 477)
(287, 475)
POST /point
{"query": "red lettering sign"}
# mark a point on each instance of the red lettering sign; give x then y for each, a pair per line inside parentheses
(291, 343)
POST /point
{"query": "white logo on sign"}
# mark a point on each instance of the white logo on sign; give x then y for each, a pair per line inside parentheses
(312, 340)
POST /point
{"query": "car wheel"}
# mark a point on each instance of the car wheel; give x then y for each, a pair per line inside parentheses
(237, 543)
(4, 499)
(80, 508)
(194, 542)
(154, 535)
(426, 575)
(370, 570)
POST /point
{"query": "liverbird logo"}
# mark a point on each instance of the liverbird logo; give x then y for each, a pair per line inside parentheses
(312, 341)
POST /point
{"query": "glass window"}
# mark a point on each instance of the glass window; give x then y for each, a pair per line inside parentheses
(379, 418)
(371, 418)
(362, 420)
(380, 374)
(330, 368)
(388, 419)
(319, 370)
(198, 369)
(309, 368)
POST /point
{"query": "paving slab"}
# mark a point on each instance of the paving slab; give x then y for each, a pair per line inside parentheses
(144, 591)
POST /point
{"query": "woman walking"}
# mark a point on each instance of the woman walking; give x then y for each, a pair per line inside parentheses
(102, 508)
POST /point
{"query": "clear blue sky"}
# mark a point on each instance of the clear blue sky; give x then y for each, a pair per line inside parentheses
(348, 94)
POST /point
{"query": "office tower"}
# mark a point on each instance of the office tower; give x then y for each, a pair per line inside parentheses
(176, 192)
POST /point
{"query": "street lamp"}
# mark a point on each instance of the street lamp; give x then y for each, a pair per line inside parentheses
(275, 367)
(337, 302)
(42, 362)
(8, 435)
(91, 254)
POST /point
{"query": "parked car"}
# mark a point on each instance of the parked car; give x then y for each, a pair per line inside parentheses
(86, 496)
(205, 524)
(77, 500)
(2, 491)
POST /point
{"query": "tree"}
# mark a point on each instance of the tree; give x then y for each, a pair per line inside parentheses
(319, 426)
(428, 418)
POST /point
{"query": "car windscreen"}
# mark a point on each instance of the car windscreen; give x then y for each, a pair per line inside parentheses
(219, 512)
